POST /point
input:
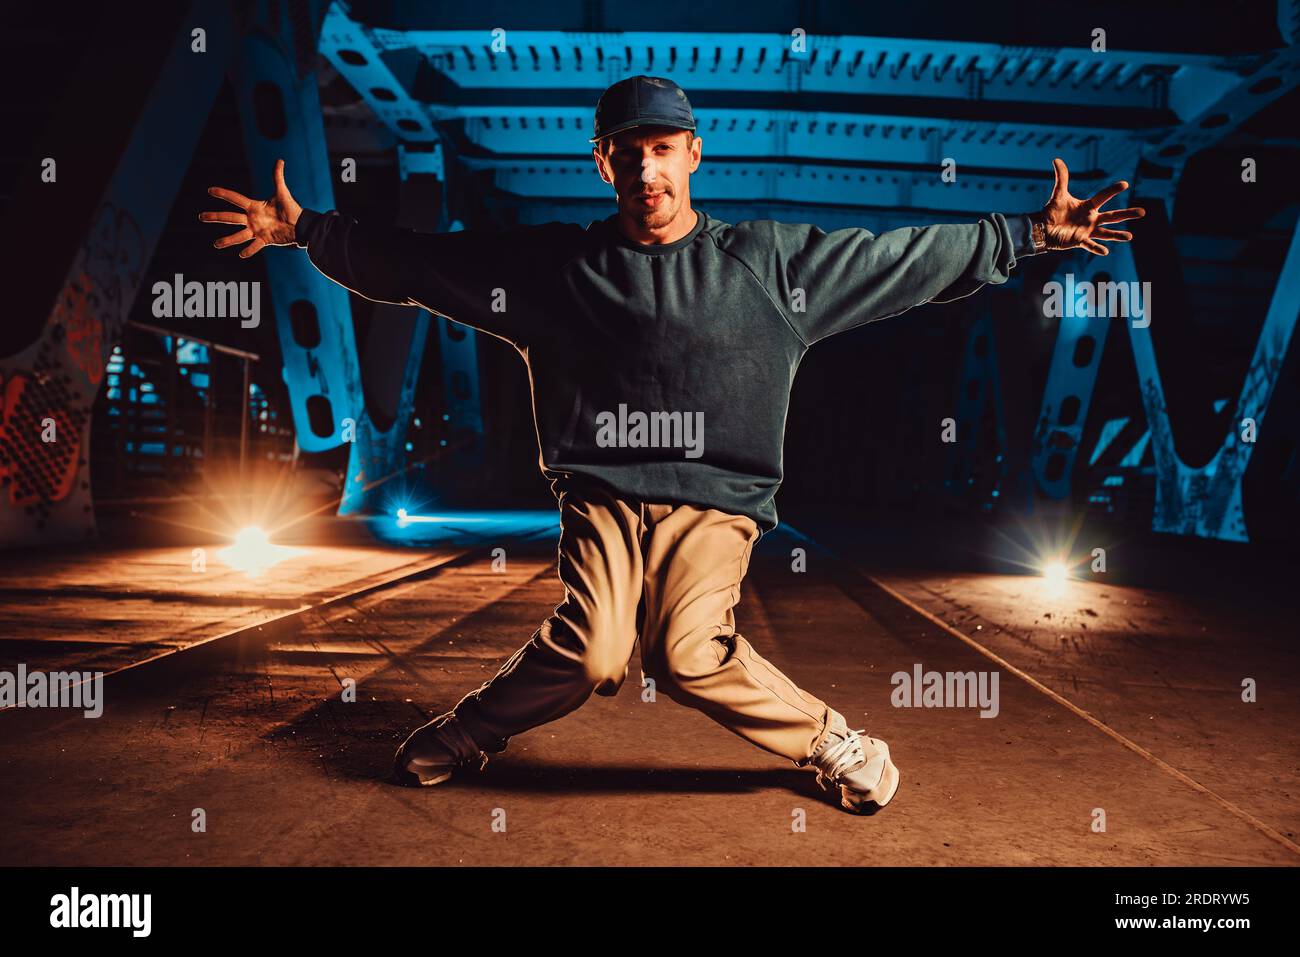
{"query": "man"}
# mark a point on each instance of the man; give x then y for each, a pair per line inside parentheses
(661, 345)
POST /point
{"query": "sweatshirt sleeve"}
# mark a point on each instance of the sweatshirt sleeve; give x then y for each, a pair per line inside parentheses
(832, 282)
(487, 279)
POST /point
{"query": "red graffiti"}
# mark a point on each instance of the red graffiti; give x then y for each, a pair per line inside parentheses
(39, 440)
(84, 326)
(100, 287)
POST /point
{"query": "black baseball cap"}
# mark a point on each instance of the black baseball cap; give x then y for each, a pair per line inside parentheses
(642, 101)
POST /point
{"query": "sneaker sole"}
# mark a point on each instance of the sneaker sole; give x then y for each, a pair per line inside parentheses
(887, 788)
(437, 779)
(403, 774)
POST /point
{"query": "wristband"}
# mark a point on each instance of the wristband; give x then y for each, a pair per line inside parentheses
(1038, 232)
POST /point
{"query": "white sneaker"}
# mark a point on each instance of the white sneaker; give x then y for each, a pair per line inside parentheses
(860, 767)
(431, 753)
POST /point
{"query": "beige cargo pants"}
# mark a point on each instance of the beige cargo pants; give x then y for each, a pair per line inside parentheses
(669, 575)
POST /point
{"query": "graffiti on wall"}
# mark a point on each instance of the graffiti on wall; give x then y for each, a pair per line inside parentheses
(47, 390)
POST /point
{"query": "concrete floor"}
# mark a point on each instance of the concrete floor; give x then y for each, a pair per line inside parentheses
(287, 773)
(102, 609)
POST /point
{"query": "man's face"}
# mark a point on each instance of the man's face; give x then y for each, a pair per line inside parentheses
(650, 169)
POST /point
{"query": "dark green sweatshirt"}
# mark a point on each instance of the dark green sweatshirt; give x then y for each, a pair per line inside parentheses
(664, 371)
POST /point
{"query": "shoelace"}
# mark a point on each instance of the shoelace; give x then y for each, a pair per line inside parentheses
(843, 756)
(470, 752)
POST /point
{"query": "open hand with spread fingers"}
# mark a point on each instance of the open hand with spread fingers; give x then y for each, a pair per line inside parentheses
(267, 222)
(1069, 223)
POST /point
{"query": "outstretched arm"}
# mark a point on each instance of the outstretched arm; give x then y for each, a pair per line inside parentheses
(832, 282)
(488, 279)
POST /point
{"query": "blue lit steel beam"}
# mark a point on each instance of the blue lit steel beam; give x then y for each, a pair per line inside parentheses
(765, 62)
(458, 347)
(1071, 377)
(378, 455)
(46, 499)
(796, 183)
(1207, 501)
(352, 50)
(403, 331)
(1207, 119)
(514, 132)
(275, 83)
(1193, 92)
(577, 66)
(979, 392)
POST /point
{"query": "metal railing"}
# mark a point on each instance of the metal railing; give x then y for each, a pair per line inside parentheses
(160, 421)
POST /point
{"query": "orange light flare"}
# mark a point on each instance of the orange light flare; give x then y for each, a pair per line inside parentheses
(1056, 578)
(252, 552)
